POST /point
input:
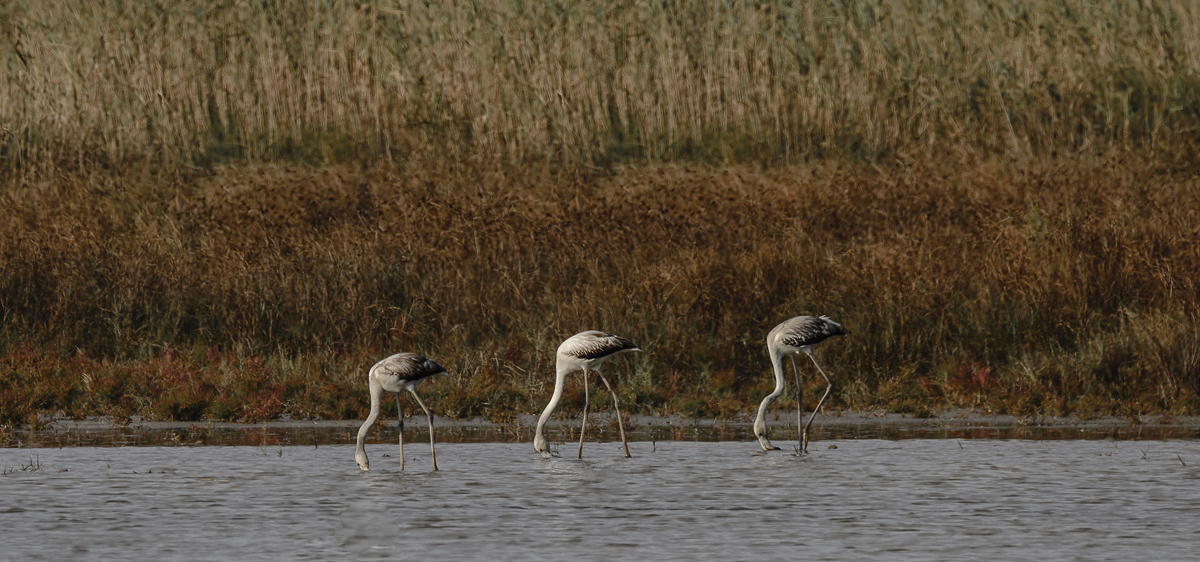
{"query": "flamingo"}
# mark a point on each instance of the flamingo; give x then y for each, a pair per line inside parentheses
(585, 351)
(790, 338)
(395, 374)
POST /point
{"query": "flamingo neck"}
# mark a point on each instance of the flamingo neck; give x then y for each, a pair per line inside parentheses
(760, 424)
(376, 390)
(539, 442)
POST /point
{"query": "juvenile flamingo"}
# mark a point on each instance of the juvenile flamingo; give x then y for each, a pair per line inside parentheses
(790, 338)
(395, 374)
(585, 351)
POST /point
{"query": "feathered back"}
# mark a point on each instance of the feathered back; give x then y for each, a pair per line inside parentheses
(805, 331)
(594, 345)
(408, 367)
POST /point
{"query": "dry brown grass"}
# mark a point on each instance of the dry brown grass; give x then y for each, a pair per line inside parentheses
(230, 210)
(590, 83)
(1068, 286)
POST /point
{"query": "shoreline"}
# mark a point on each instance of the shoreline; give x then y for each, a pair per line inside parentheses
(953, 424)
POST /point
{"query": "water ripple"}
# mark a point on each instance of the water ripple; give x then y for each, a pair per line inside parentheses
(931, 499)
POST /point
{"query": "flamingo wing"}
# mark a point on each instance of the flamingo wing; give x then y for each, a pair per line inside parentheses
(805, 331)
(594, 345)
(408, 367)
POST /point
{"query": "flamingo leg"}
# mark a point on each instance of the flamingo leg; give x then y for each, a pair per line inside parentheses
(828, 388)
(617, 407)
(429, 416)
(802, 436)
(400, 414)
(586, 403)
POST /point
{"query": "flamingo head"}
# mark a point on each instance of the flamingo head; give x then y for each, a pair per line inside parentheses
(361, 458)
(760, 431)
(539, 444)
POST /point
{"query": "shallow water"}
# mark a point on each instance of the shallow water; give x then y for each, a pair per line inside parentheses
(916, 499)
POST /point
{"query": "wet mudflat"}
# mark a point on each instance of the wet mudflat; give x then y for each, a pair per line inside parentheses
(915, 499)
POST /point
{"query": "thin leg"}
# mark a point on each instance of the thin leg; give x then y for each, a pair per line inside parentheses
(429, 416)
(586, 403)
(801, 435)
(617, 407)
(829, 387)
(400, 414)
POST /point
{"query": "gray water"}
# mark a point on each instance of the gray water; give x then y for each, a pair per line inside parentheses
(915, 499)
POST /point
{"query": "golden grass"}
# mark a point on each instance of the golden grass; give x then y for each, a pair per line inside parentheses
(590, 83)
(230, 210)
(1069, 286)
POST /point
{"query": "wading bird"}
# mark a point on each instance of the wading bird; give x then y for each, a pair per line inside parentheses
(395, 374)
(790, 338)
(585, 351)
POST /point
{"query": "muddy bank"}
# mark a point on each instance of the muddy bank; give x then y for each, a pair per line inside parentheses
(960, 424)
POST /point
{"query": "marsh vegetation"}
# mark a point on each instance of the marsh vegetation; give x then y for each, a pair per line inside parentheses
(229, 211)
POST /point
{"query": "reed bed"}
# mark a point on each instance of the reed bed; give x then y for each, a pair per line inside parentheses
(228, 210)
(592, 83)
(1064, 288)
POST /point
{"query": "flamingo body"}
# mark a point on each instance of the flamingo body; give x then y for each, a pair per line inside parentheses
(585, 351)
(790, 338)
(400, 372)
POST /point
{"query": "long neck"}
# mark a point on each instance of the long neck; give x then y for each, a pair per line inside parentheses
(559, 381)
(376, 391)
(777, 364)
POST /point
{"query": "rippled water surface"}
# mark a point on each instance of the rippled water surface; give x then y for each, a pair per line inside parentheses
(916, 499)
